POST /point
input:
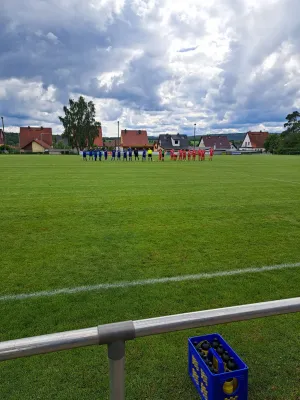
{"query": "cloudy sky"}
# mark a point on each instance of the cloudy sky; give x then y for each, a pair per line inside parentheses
(163, 65)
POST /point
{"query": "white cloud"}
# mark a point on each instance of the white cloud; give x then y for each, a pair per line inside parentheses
(162, 64)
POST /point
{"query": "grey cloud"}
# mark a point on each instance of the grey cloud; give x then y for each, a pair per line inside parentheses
(69, 45)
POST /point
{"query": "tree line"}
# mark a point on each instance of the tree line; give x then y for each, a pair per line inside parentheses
(288, 142)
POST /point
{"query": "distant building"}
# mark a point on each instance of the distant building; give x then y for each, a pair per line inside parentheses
(99, 140)
(254, 141)
(111, 143)
(175, 142)
(29, 134)
(216, 142)
(1, 137)
(134, 138)
(36, 146)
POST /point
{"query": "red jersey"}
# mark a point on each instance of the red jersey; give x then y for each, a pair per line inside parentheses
(211, 152)
(184, 154)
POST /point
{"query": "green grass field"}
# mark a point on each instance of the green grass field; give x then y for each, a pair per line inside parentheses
(65, 223)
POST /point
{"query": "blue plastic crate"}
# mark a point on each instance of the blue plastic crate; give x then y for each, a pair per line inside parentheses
(212, 386)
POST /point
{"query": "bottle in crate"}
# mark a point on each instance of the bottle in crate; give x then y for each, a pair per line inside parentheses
(217, 377)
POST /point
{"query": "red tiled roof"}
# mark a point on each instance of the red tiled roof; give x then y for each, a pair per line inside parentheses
(28, 134)
(99, 140)
(132, 138)
(111, 142)
(1, 137)
(216, 142)
(40, 142)
(258, 139)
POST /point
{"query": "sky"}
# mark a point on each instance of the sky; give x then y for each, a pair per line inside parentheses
(160, 65)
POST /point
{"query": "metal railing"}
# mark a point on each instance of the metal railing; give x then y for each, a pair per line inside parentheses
(116, 334)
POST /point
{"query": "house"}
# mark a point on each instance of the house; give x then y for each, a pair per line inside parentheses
(98, 141)
(134, 138)
(111, 143)
(176, 142)
(216, 142)
(1, 137)
(254, 141)
(36, 146)
(29, 134)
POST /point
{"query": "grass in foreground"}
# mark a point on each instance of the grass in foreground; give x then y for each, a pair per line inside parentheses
(67, 223)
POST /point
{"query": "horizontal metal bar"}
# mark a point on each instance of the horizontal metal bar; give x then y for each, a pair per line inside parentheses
(172, 323)
(48, 343)
(109, 333)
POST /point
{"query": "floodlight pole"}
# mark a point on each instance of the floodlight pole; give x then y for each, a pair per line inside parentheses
(194, 136)
(3, 131)
(118, 135)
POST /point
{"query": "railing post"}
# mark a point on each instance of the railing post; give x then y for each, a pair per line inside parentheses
(116, 355)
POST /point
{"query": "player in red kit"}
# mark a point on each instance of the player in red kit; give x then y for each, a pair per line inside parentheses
(180, 155)
(172, 154)
(199, 154)
(203, 155)
(159, 155)
(194, 155)
(189, 155)
(184, 155)
(211, 153)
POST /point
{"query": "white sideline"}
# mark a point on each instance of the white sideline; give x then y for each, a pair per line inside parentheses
(125, 284)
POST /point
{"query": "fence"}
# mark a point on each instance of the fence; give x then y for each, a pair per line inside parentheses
(116, 334)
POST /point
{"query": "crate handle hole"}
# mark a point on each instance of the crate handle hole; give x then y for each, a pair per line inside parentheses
(230, 386)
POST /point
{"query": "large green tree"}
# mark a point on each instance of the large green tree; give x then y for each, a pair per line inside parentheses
(80, 126)
(272, 143)
(289, 141)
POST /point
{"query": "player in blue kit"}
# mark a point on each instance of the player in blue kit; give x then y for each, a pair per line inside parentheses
(130, 154)
(95, 154)
(90, 154)
(118, 155)
(124, 155)
(84, 155)
(105, 154)
(113, 155)
(144, 155)
(100, 155)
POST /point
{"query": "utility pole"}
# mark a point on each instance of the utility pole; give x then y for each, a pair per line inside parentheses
(194, 136)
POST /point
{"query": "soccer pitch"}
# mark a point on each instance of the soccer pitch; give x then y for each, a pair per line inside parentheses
(66, 223)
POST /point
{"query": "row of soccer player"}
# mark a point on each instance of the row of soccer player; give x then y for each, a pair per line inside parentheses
(183, 155)
(126, 154)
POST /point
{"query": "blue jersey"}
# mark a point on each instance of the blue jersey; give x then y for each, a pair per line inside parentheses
(91, 153)
(84, 153)
(130, 153)
(113, 153)
(125, 154)
(95, 153)
(144, 153)
(119, 154)
(105, 153)
(100, 153)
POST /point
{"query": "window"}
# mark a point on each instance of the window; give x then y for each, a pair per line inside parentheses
(176, 141)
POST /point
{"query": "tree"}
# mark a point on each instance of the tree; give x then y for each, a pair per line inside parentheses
(272, 143)
(293, 122)
(80, 126)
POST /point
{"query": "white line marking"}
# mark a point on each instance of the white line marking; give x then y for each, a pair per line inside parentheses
(125, 284)
(282, 180)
